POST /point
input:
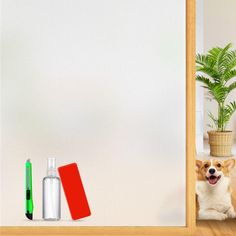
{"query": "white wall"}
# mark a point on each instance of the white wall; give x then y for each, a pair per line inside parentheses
(219, 30)
(199, 89)
(100, 83)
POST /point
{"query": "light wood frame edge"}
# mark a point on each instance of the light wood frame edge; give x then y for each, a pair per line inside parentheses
(190, 163)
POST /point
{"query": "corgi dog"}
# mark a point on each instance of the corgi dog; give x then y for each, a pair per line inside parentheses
(213, 189)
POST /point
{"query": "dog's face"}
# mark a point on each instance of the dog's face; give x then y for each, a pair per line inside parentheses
(213, 170)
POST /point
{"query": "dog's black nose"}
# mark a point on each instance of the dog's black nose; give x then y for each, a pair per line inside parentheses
(212, 171)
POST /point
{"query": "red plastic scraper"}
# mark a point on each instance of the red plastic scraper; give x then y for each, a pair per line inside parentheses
(74, 191)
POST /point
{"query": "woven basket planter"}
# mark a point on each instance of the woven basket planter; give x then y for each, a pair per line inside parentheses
(220, 143)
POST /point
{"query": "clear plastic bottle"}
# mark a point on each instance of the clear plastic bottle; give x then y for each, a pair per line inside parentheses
(51, 193)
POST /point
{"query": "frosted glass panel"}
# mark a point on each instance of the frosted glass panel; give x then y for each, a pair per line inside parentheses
(100, 83)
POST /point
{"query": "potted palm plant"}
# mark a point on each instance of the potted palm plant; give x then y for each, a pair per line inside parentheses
(216, 70)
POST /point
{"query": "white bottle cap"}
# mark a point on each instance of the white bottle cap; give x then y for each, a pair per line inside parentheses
(51, 166)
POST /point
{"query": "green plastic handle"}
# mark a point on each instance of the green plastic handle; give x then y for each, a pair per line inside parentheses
(29, 206)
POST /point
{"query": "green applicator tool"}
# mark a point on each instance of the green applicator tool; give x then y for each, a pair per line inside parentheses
(29, 206)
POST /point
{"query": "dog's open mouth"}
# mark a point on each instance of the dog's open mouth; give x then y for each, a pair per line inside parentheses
(213, 179)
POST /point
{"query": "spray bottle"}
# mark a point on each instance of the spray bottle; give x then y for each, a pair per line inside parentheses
(51, 193)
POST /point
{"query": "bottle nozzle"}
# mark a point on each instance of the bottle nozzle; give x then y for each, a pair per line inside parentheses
(52, 166)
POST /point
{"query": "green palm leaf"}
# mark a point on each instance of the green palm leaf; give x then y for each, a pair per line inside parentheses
(204, 80)
(229, 111)
(221, 58)
(218, 92)
(229, 75)
(231, 87)
(229, 61)
(214, 119)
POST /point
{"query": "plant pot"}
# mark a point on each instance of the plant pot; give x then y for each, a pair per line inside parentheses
(220, 143)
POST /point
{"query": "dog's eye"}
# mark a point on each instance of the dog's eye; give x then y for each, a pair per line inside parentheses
(206, 165)
(218, 165)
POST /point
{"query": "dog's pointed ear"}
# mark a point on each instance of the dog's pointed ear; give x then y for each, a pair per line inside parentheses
(229, 164)
(198, 164)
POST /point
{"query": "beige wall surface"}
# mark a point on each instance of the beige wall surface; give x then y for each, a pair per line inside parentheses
(219, 30)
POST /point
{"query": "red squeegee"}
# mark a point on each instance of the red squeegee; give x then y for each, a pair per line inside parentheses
(74, 191)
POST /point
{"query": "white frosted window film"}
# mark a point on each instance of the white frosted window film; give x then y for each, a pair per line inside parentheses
(101, 83)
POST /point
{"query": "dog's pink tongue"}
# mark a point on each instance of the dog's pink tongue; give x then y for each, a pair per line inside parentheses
(212, 181)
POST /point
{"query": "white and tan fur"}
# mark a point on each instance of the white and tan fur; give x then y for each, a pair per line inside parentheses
(213, 189)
